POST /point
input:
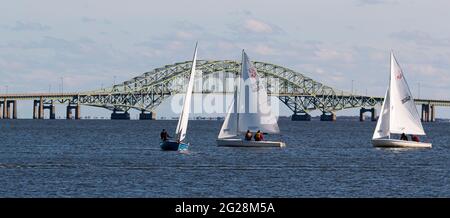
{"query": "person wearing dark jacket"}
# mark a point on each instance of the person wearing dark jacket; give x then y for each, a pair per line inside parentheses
(403, 137)
(164, 135)
(248, 135)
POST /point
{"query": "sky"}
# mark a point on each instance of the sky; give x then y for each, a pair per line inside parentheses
(87, 45)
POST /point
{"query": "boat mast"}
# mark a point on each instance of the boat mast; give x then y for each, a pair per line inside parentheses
(236, 95)
(390, 93)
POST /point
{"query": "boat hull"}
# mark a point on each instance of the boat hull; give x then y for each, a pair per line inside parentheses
(173, 146)
(244, 143)
(395, 143)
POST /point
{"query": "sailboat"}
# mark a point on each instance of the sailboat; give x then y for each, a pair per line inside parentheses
(180, 133)
(250, 93)
(398, 113)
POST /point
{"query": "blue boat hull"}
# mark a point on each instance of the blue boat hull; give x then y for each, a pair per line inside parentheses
(173, 146)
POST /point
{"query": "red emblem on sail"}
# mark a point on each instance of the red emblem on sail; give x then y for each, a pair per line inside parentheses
(399, 75)
(252, 72)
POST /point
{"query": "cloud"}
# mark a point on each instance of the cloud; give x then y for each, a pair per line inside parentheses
(249, 28)
(185, 25)
(59, 54)
(420, 37)
(241, 13)
(179, 40)
(10, 65)
(226, 45)
(28, 26)
(426, 70)
(374, 2)
(184, 35)
(331, 54)
(49, 42)
(87, 20)
(257, 26)
(264, 50)
(175, 45)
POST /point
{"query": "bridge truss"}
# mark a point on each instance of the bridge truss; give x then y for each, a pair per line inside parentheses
(299, 93)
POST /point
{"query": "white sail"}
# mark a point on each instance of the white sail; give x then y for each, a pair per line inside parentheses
(404, 117)
(184, 116)
(254, 110)
(382, 129)
(229, 126)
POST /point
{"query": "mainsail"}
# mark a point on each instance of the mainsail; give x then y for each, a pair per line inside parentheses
(253, 108)
(184, 116)
(404, 117)
(249, 109)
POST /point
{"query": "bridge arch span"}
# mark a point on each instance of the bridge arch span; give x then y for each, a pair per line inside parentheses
(297, 91)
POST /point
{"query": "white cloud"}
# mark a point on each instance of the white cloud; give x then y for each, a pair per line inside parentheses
(420, 37)
(87, 20)
(264, 50)
(257, 26)
(10, 66)
(184, 35)
(330, 54)
(27, 26)
(378, 56)
(375, 2)
(225, 45)
(425, 70)
(175, 45)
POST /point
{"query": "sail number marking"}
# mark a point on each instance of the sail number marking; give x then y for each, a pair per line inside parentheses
(406, 99)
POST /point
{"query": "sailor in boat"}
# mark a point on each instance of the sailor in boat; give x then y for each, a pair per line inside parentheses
(404, 137)
(415, 138)
(248, 135)
(164, 135)
(259, 136)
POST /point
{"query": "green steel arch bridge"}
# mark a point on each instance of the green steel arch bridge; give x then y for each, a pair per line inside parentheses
(146, 92)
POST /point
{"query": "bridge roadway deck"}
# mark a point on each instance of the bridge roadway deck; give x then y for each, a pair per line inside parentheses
(70, 95)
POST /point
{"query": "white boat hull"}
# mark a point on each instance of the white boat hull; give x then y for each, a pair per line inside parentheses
(396, 143)
(245, 143)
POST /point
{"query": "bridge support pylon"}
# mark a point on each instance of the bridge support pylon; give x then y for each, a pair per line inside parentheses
(428, 113)
(69, 111)
(301, 117)
(52, 110)
(35, 105)
(41, 108)
(14, 109)
(116, 115)
(147, 116)
(1, 110)
(5, 112)
(364, 110)
(4, 109)
(38, 109)
(328, 116)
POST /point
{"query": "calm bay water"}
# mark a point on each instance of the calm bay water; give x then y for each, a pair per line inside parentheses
(87, 158)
